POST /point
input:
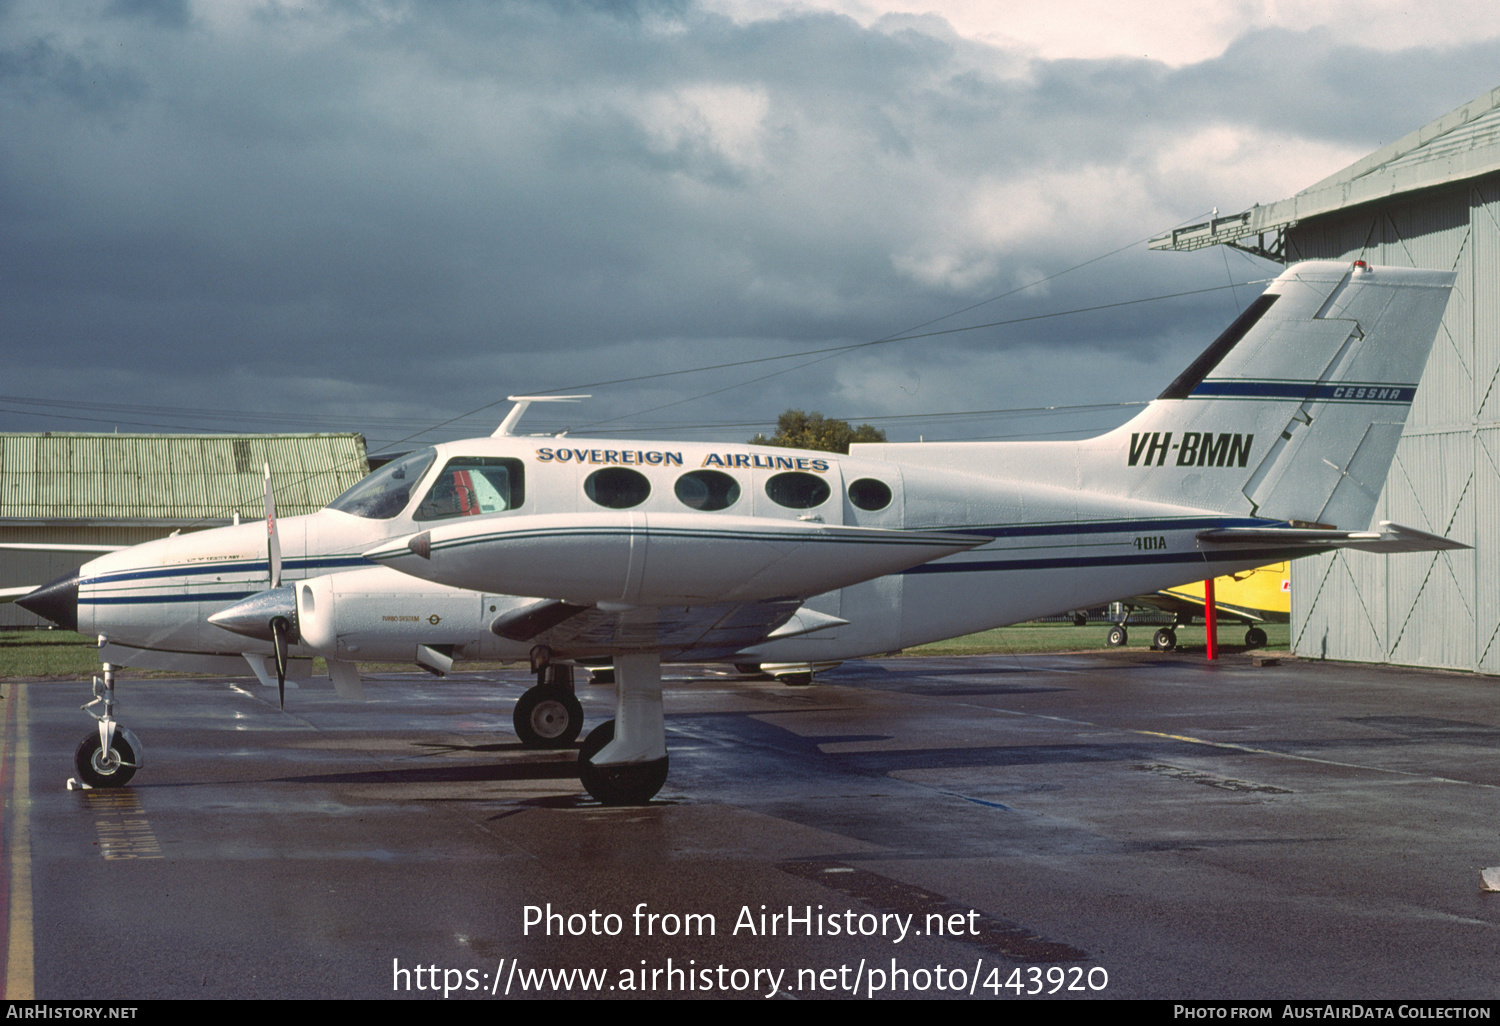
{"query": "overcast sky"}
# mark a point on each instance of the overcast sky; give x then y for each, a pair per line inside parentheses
(378, 217)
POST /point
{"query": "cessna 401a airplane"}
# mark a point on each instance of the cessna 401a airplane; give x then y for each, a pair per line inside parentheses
(1273, 444)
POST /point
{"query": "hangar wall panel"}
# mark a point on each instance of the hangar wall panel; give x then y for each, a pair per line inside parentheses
(1485, 297)
(1428, 609)
(1486, 553)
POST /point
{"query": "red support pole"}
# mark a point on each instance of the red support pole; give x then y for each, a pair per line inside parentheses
(1210, 619)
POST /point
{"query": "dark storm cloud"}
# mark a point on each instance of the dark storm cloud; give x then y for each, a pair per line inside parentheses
(405, 211)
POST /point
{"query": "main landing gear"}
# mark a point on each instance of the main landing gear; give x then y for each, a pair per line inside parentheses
(624, 761)
(549, 715)
(109, 756)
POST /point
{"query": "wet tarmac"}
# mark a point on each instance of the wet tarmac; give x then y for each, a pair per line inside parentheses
(1102, 826)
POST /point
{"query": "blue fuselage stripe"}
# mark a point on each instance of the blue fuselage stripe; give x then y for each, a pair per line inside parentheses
(1342, 392)
(163, 597)
(339, 562)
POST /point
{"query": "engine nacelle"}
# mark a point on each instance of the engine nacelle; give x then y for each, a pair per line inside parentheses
(384, 616)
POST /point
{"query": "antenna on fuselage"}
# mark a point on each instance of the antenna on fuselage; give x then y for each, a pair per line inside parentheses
(508, 425)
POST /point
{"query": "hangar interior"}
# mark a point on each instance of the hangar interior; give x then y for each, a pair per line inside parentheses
(115, 489)
(1431, 199)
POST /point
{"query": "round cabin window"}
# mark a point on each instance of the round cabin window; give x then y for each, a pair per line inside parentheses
(796, 490)
(707, 490)
(617, 487)
(868, 493)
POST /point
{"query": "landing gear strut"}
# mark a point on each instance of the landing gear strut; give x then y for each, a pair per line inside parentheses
(549, 715)
(109, 756)
(624, 761)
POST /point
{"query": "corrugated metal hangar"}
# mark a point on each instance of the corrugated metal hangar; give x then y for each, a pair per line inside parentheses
(1432, 200)
(113, 490)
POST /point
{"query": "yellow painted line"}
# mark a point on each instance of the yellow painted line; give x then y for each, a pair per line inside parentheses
(20, 975)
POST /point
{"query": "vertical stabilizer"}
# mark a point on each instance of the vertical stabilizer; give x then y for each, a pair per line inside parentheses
(1294, 412)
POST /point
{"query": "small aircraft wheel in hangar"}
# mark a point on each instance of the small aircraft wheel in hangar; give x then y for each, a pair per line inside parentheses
(1164, 640)
(1117, 636)
(1255, 637)
(633, 784)
(98, 768)
(548, 717)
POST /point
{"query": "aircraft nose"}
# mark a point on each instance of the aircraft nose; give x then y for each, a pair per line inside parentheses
(56, 601)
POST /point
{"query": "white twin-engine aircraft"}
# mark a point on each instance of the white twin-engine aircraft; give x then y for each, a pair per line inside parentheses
(1274, 444)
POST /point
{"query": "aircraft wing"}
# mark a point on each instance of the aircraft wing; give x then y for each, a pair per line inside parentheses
(705, 631)
(1390, 538)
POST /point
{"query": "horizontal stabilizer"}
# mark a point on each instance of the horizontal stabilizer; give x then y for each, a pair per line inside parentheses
(59, 547)
(1390, 538)
(11, 594)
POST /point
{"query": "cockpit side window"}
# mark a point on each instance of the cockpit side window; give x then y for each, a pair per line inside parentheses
(470, 485)
(385, 493)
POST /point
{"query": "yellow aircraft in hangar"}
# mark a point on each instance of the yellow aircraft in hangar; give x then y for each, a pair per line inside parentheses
(1253, 597)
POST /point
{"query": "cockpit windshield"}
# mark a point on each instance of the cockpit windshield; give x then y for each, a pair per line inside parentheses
(385, 493)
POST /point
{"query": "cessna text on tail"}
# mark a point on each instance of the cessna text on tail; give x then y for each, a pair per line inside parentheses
(1273, 444)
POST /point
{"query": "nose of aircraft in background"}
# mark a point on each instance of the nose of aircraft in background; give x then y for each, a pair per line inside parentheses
(56, 601)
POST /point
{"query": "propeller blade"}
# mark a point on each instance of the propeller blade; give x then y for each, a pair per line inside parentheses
(273, 540)
(279, 628)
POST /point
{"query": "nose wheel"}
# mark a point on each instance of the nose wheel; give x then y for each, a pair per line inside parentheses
(109, 755)
(100, 767)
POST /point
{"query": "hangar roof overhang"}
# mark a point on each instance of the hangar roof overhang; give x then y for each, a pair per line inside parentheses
(1462, 144)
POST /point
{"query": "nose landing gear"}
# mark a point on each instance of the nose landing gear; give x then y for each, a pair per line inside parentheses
(109, 756)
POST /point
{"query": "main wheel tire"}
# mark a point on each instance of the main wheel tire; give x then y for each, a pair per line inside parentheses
(1164, 640)
(1117, 636)
(548, 717)
(632, 784)
(98, 769)
(1255, 637)
(749, 669)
